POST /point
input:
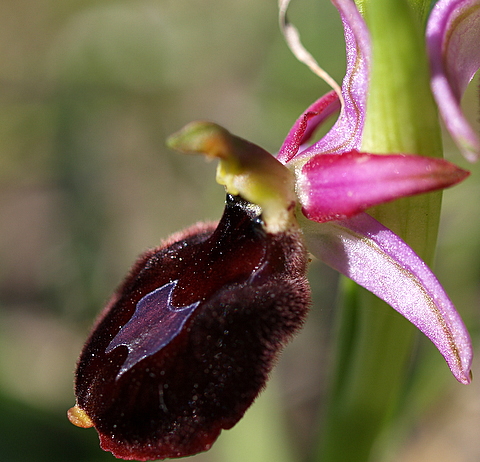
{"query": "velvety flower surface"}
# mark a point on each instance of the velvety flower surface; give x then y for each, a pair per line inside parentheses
(187, 341)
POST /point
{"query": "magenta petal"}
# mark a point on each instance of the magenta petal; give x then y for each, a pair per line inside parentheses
(453, 32)
(306, 125)
(335, 186)
(346, 134)
(377, 259)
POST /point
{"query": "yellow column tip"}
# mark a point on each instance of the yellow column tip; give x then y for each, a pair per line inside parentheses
(79, 417)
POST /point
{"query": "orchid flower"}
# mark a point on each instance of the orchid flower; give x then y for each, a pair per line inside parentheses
(186, 343)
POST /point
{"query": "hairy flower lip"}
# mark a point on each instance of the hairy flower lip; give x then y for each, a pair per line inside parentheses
(154, 391)
(358, 247)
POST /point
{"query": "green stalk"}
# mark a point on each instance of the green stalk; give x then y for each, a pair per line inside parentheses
(375, 344)
(372, 359)
(401, 113)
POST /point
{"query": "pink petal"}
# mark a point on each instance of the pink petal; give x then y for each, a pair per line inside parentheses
(335, 186)
(346, 134)
(453, 33)
(306, 125)
(377, 259)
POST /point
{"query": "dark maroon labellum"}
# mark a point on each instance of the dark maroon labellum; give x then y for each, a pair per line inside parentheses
(187, 342)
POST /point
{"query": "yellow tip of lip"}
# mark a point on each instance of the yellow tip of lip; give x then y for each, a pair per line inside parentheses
(79, 417)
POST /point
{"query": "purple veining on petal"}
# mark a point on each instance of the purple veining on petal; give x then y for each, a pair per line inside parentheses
(346, 134)
(373, 256)
(453, 32)
(153, 325)
(336, 186)
(306, 125)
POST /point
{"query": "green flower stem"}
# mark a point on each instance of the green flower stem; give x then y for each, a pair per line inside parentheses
(375, 344)
(373, 353)
(401, 113)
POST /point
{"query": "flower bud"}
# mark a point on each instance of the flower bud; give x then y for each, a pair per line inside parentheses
(188, 340)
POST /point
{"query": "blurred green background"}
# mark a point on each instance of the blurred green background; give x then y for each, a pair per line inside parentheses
(89, 91)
